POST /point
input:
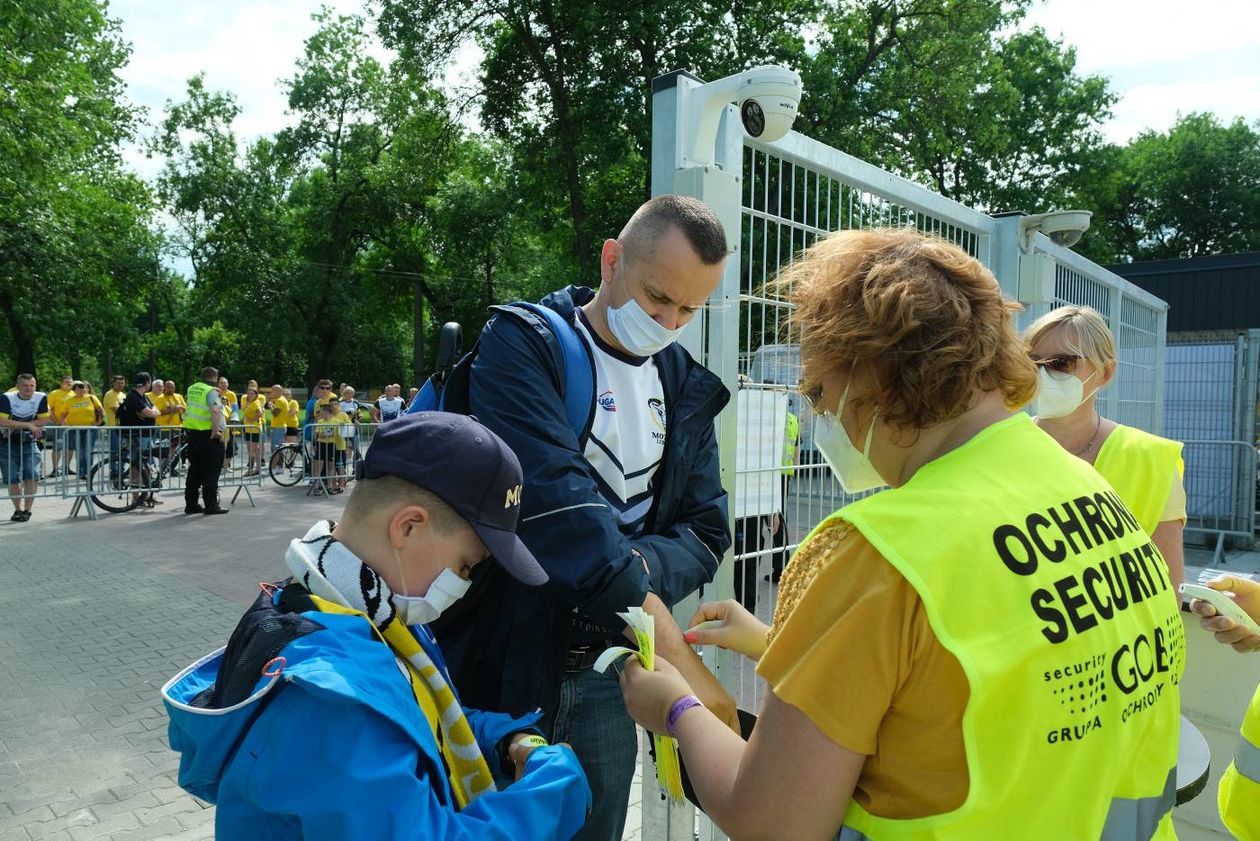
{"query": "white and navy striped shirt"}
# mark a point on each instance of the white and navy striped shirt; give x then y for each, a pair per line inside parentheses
(627, 438)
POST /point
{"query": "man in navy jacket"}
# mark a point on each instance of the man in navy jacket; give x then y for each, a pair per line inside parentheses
(631, 511)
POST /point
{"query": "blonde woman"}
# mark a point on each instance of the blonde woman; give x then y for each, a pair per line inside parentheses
(1075, 355)
(940, 664)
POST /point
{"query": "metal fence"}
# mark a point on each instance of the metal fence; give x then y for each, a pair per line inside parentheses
(120, 468)
(1210, 404)
(774, 200)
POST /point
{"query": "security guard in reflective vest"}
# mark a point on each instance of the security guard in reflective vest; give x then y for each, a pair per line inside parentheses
(988, 649)
(204, 423)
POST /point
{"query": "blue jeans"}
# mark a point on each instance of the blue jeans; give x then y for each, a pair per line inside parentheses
(21, 459)
(83, 442)
(592, 718)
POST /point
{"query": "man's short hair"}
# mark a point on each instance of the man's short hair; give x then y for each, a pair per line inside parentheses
(209, 373)
(141, 378)
(373, 495)
(23, 377)
(118, 377)
(325, 383)
(697, 221)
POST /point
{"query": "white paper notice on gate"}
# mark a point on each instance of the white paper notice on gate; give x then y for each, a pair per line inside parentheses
(762, 430)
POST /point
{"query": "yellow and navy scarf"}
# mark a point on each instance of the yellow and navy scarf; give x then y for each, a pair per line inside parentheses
(341, 583)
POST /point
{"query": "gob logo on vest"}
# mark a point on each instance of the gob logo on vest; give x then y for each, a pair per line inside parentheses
(1086, 596)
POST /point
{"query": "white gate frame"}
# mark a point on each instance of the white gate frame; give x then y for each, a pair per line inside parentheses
(1048, 276)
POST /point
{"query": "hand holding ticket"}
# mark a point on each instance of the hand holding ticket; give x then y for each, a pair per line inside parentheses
(668, 773)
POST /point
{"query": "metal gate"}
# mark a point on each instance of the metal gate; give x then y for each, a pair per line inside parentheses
(774, 200)
(1211, 397)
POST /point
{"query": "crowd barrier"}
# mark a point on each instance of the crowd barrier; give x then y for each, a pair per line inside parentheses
(323, 456)
(1220, 482)
(121, 468)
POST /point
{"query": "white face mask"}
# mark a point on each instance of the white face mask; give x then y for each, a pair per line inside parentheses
(1059, 395)
(445, 590)
(852, 468)
(637, 331)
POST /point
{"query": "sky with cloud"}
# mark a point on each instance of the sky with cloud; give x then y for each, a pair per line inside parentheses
(1162, 58)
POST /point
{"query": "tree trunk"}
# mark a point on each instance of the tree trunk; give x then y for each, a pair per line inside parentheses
(152, 333)
(76, 365)
(419, 365)
(276, 362)
(23, 342)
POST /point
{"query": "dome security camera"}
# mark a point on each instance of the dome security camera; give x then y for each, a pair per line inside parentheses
(1063, 227)
(767, 97)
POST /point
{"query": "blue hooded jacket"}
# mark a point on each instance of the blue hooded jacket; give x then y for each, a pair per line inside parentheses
(334, 747)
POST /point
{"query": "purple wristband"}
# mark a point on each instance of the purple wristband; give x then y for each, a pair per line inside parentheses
(680, 706)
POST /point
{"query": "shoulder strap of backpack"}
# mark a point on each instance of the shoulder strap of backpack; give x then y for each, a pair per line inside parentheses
(579, 375)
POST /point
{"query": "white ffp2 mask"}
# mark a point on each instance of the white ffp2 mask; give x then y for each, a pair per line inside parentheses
(852, 467)
(1058, 394)
(637, 331)
(445, 590)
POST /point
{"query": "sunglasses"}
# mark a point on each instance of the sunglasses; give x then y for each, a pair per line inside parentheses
(813, 396)
(1064, 363)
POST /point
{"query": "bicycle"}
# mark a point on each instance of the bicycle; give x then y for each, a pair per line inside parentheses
(291, 463)
(116, 493)
(288, 464)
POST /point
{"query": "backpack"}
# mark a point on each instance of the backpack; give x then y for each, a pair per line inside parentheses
(481, 608)
(448, 391)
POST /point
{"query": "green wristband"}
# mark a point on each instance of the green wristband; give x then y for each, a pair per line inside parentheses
(532, 741)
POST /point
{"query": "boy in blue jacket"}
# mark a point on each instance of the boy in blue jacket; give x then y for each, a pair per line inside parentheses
(330, 714)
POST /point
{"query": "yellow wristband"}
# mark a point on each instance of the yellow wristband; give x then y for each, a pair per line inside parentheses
(532, 741)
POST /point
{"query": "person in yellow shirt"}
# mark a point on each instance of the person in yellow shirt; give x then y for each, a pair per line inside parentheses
(960, 603)
(113, 399)
(60, 440)
(79, 413)
(344, 438)
(170, 405)
(325, 439)
(252, 410)
(292, 419)
(277, 414)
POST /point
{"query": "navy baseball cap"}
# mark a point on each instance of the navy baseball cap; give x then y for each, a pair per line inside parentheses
(469, 468)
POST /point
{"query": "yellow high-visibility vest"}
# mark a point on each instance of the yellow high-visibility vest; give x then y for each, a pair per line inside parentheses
(1239, 792)
(1141, 467)
(197, 415)
(1036, 576)
(792, 438)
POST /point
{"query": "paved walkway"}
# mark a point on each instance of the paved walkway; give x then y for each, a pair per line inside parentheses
(95, 618)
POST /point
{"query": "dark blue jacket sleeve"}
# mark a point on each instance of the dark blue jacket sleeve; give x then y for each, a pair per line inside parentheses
(352, 775)
(685, 554)
(515, 390)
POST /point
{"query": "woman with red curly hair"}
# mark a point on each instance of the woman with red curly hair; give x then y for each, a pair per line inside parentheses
(978, 651)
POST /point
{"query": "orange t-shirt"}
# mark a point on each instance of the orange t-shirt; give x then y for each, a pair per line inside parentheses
(852, 648)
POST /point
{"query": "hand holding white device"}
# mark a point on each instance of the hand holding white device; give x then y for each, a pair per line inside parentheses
(1223, 605)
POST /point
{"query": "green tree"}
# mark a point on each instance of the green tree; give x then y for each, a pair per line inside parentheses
(1191, 191)
(73, 225)
(567, 86)
(297, 240)
(946, 92)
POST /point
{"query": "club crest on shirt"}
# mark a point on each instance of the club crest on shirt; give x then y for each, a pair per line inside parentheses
(657, 407)
(606, 402)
